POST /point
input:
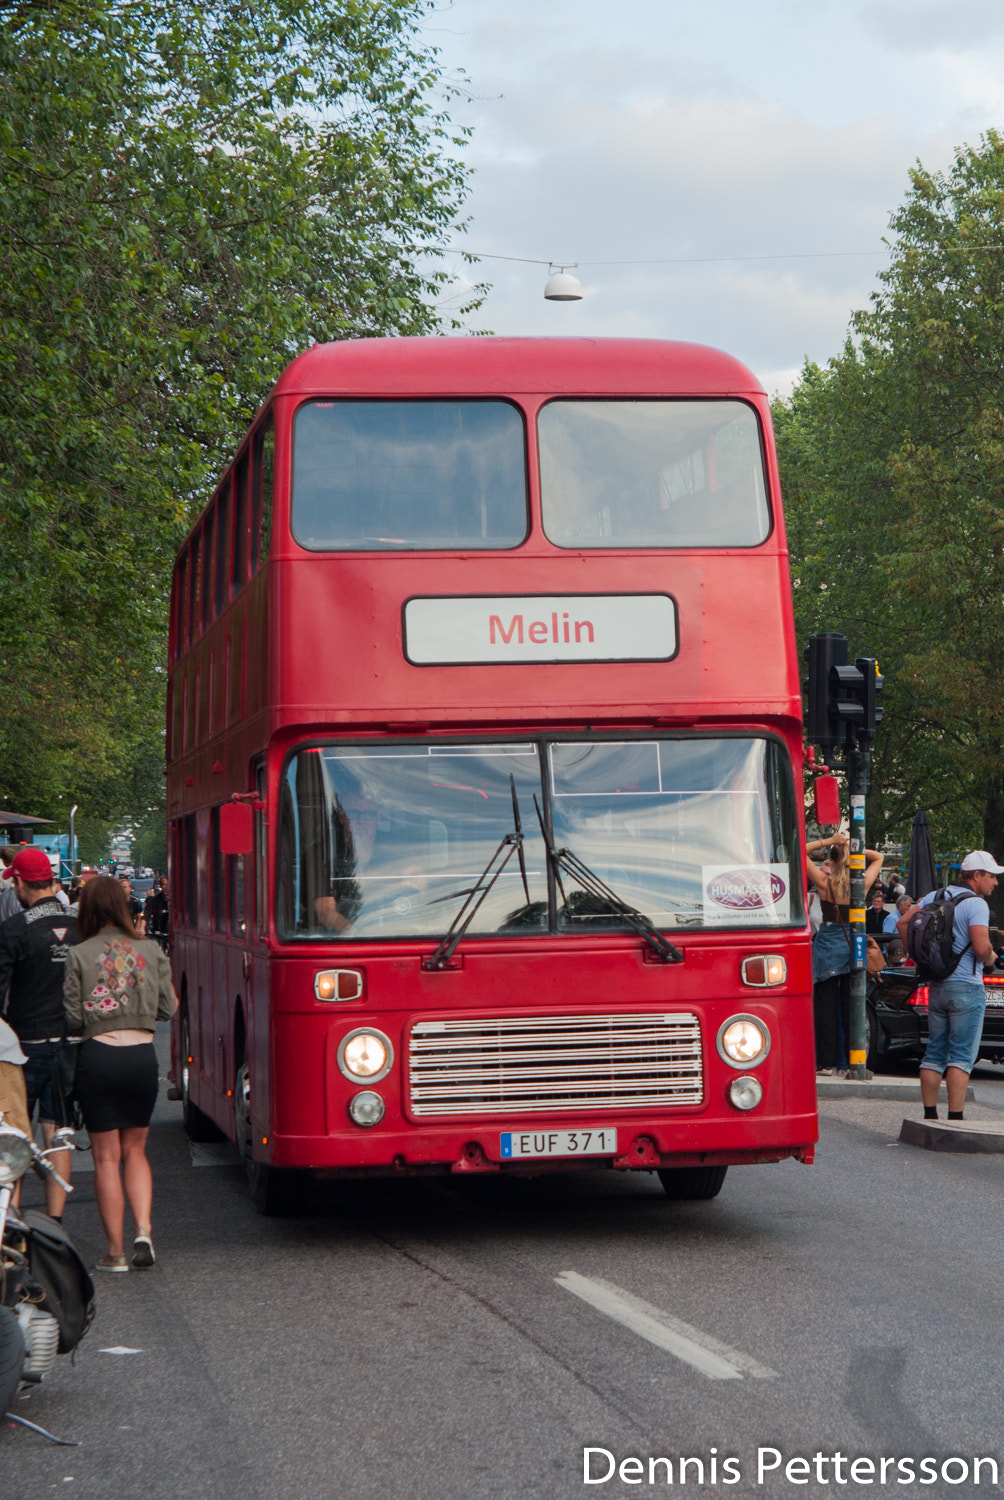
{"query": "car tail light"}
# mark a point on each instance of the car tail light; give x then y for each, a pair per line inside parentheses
(764, 970)
(338, 984)
(920, 996)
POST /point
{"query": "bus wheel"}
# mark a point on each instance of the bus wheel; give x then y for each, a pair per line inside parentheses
(692, 1183)
(198, 1126)
(272, 1189)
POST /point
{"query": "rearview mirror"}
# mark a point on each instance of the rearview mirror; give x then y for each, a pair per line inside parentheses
(236, 828)
(826, 800)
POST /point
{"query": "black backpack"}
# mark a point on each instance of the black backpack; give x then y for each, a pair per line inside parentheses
(930, 937)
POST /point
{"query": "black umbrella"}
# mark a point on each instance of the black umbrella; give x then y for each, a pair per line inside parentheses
(921, 877)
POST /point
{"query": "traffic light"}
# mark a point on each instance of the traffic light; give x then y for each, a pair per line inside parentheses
(867, 694)
(842, 698)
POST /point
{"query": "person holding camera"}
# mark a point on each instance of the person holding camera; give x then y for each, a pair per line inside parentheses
(832, 947)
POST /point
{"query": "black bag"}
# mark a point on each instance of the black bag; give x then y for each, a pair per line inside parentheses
(55, 1263)
(64, 1076)
(930, 937)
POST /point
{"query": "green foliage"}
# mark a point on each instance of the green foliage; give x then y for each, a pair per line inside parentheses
(150, 842)
(190, 194)
(893, 470)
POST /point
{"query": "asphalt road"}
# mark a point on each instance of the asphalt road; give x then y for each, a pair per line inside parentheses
(413, 1339)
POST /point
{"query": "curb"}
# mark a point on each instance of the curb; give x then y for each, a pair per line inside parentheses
(873, 1088)
(972, 1138)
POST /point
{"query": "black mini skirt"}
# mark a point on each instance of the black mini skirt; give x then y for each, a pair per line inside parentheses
(116, 1087)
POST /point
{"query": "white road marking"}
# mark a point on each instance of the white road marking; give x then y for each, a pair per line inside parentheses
(120, 1349)
(707, 1354)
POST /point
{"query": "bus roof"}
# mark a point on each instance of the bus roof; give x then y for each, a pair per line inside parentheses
(580, 366)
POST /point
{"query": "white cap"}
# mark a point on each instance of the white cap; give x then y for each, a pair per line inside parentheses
(981, 860)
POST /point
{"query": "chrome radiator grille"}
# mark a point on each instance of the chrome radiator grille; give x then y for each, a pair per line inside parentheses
(536, 1064)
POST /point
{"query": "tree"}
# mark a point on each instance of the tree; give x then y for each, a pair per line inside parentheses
(892, 464)
(189, 195)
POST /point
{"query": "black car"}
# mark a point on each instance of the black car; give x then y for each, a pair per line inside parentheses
(897, 1017)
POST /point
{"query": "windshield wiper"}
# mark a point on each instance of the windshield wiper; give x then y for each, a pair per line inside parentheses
(476, 894)
(564, 859)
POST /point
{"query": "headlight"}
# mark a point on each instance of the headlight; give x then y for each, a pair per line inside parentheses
(743, 1041)
(366, 1108)
(365, 1054)
(15, 1156)
(745, 1093)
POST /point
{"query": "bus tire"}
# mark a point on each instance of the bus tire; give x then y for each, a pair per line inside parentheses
(273, 1190)
(690, 1184)
(198, 1126)
(11, 1357)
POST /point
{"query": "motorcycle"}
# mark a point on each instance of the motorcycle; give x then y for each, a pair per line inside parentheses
(46, 1292)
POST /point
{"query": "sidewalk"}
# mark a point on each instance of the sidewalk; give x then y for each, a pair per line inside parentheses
(886, 1106)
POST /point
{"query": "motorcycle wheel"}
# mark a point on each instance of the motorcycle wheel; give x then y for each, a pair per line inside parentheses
(11, 1357)
(273, 1190)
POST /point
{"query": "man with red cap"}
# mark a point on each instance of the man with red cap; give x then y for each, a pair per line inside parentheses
(33, 948)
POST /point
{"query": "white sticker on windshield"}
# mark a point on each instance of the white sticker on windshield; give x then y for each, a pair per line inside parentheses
(746, 894)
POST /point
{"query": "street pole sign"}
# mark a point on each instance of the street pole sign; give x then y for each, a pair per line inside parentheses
(843, 713)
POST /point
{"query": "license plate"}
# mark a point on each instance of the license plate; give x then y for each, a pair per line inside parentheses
(599, 1141)
(994, 998)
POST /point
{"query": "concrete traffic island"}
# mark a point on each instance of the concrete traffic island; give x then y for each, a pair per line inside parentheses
(973, 1137)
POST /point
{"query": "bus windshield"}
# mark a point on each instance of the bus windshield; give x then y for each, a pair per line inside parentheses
(381, 841)
(652, 474)
(401, 475)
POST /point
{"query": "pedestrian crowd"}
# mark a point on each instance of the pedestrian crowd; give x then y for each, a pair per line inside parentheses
(956, 1001)
(84, 979)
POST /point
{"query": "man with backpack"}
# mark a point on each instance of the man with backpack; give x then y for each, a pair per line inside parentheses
(947, 933)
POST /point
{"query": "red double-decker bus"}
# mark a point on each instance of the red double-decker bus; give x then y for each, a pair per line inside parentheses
(484, 746)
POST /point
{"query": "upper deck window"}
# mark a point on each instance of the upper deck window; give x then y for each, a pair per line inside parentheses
(406, 475)
(652, 474)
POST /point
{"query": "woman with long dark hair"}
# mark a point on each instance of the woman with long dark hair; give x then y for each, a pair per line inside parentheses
(118, 986)
(832, 946)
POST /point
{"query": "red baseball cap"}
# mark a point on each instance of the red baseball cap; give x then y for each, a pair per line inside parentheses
(31, 864)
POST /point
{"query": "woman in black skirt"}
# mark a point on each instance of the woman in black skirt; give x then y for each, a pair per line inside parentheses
(118, 986)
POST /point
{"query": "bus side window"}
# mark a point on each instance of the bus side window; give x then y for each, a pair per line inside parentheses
(264, 478)
(219, 888)
(190, 912)
(235, 881)
(186, 712)
(177, 632)
(238, 562)
(207, 568)
(194, 581)
(261, 857)
(222, 551)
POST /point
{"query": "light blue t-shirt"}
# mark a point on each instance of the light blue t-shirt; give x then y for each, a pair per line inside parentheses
(972, 913)
(889, 925)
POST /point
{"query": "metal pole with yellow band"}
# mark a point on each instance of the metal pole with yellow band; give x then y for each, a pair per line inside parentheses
(858, 761)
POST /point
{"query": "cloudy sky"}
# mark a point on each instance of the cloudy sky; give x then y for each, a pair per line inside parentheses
(652, 130)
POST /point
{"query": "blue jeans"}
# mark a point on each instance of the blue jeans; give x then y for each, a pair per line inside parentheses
(954, 1024)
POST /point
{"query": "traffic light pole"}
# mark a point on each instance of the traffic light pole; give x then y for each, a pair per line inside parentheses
(843, 711)
(858, 764)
